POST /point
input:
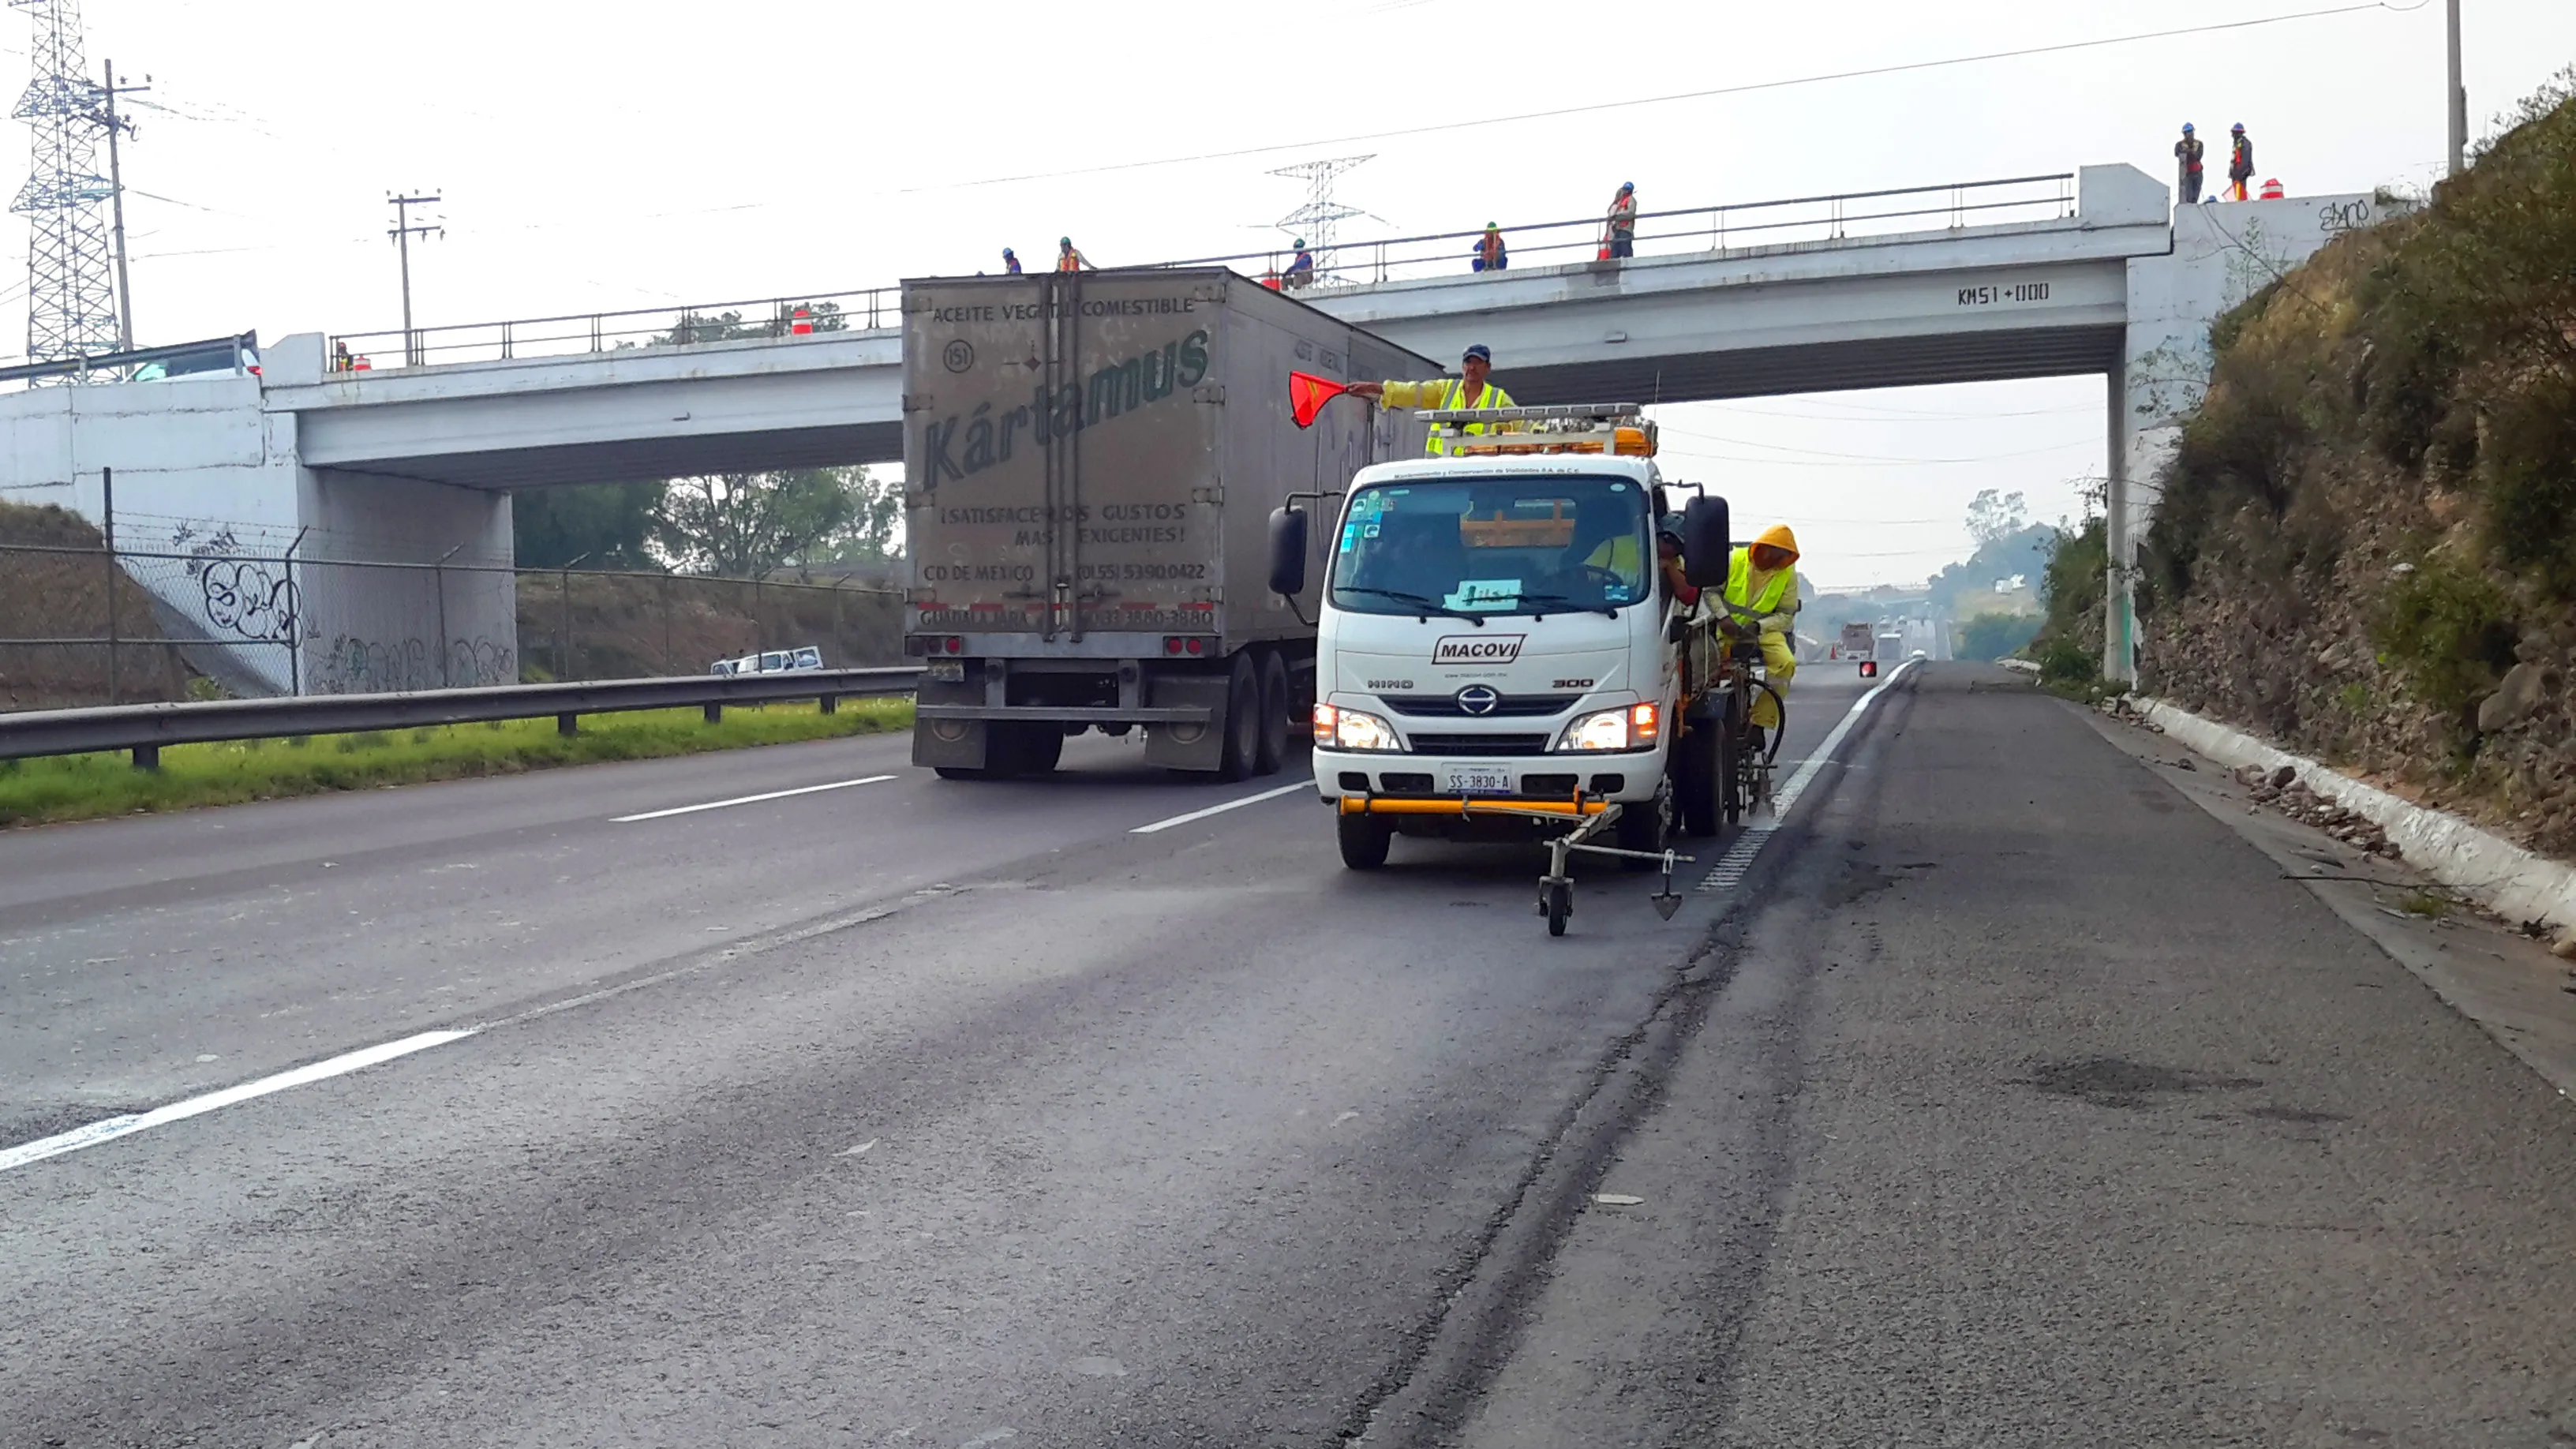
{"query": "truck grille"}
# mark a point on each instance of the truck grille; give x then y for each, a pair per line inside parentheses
(1445, 706)
(1497, 745)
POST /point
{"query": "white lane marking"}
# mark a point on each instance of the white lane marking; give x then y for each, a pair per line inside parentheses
(1221, 809)
(1729, 871)
(747, 800)
(132, 1122)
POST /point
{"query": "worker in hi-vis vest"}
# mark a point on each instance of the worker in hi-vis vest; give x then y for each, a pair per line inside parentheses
(1447, 394)
(1762, 599)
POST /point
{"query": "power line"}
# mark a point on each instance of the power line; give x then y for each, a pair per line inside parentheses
(1747, 88)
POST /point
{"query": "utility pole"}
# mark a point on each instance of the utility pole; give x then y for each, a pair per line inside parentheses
(113, 124)
(2459, 99)
(402, 232)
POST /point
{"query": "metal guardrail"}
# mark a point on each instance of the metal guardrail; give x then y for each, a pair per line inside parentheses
(578, 333)
(146, 728)
(1694, 229)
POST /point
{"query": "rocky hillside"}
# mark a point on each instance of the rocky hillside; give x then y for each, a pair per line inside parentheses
(2366, 542)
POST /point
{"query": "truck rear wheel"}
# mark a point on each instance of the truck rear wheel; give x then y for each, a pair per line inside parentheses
(1274, 713)
(1239, 752)
(1364, 841)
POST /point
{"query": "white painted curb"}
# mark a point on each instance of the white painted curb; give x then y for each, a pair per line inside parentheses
(2504, 877)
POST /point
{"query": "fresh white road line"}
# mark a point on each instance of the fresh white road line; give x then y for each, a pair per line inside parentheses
(132, 1122)
(746, 800)
(1729, 871)
(1221, 809)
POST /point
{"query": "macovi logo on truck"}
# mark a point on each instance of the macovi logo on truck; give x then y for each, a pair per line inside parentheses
(1121, 387)
(1478, 649)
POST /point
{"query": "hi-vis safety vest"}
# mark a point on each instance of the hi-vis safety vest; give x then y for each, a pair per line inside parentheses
(1451, 400)
(1739, 583)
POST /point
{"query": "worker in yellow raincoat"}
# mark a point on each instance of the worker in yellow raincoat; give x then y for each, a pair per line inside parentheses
(1762, 599)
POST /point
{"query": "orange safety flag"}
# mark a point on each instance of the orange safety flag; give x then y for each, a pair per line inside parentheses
(1308, 393)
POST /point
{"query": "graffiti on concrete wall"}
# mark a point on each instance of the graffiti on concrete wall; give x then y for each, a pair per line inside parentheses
(247, 598)
(352, 665)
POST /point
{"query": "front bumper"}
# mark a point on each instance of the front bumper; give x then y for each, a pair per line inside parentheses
(1628, 775)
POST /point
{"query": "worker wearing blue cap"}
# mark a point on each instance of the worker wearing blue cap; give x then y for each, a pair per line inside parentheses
(1621, 241)
(1469, 389)
(2188, 165)
(1011, 261)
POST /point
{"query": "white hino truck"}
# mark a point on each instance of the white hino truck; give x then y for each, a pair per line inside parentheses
(1499, 656)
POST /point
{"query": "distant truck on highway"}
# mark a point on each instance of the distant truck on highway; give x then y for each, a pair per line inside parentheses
(1090, 463)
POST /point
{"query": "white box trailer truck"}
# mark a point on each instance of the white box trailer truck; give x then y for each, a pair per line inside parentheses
(1090, 463)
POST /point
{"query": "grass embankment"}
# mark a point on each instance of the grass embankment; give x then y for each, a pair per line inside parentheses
(86, 787)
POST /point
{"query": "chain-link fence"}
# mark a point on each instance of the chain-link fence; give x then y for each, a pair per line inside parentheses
(80, 627)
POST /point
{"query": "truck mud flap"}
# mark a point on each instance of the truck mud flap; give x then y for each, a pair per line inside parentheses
(955, 744)
(1187, 746)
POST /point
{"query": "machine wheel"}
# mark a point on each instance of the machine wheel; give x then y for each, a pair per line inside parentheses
(1730, 771)
(1558, 902)
(1274, 713)
(1647, 826)
(1239, 753)
(1364, 841)
(1696, 785)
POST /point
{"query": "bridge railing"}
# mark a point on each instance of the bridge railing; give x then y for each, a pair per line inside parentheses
(1693, 230)
(1699, 229)
(578, 333)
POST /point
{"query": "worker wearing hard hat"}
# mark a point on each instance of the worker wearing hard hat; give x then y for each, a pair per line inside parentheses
(2187, 165)
(1010, 261)
(1469, 389)
(2240, 163)
(1619, 241)
(1067, 259)
(1762, 601)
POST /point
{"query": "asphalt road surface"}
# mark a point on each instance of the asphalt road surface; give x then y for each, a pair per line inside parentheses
(2009, 1099)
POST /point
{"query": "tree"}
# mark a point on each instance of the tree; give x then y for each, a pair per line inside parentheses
(742, 525)
(1994, 517)
(874, 533)
(1989, 637)
(602, 525)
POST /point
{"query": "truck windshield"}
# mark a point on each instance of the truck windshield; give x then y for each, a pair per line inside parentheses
(1499, 546)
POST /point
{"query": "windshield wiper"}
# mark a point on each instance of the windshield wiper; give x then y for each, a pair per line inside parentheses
(1428, 607)
(1577, 605)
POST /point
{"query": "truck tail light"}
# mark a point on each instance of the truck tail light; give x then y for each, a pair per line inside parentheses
(1869, 669)
(1184, 644)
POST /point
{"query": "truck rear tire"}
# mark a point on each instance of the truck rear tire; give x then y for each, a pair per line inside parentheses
(1364, 841)
(1274, 713)
(1239, 751)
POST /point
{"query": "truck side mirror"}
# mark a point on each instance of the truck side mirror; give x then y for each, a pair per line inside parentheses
(1708, 545)
(1287, 552)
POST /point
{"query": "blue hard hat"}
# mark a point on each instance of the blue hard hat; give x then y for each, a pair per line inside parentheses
(2186, 128)
(1627, 186)
(2240, 125)
(1006, 251)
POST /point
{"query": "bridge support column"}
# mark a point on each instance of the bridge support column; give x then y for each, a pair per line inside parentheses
(2120, 552)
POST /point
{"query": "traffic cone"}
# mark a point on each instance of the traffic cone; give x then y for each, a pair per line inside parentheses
(2272, 189)
(803, 323)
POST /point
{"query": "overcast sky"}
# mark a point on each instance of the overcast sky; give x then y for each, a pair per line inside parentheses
(597, 155)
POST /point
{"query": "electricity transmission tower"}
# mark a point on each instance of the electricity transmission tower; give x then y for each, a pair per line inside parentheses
(1320, 219)
(71, 290)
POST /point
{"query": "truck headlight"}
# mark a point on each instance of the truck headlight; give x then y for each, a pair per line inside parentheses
(1629, 727)
(1352, 729)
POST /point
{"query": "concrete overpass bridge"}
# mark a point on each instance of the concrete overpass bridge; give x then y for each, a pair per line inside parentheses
(2089, 272)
